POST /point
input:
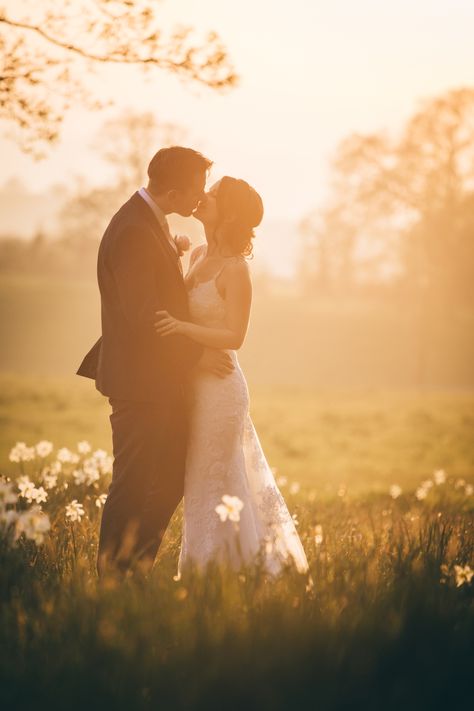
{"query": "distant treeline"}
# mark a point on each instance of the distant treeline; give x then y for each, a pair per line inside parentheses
(398, 220)
(45, 257)
(73, 258)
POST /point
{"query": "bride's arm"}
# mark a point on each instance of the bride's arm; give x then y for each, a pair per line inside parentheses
(238, 299)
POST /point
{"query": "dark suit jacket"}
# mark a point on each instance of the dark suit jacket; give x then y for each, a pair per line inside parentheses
(138, 274)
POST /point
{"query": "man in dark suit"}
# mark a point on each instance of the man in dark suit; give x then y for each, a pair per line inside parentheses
(143, 375)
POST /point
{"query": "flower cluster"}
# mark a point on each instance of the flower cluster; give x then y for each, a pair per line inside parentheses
(75, 510)
(32, 522)
(461, 574)
(438, 479)
(45, 476)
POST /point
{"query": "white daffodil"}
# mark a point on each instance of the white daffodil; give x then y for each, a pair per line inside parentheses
(83, 447)
(230, 508)
(21, 453)
(44, 448)
(92, 477)
(8, 517)
(7, 494)
(469, 489)
(99, 454)
(55, 467)
(79, 476)
(38, 494)
(421, 493)
(395, 491)
(463, 574)
(74, 510)
(100, 500)
(106, 465)
(33, 523)
(25, 486)
(439, 476)
(49, 480)
(294, 487)
(65, 456)
(318, 534)
(282, 481)
(91, 471)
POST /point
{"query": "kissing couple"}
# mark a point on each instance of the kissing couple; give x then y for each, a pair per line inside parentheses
(167, 361)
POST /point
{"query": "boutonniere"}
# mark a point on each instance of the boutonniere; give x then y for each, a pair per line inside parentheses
(182, 243)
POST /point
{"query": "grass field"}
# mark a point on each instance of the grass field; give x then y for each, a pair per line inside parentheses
(364, 440)
(389, 623)
(389, 620)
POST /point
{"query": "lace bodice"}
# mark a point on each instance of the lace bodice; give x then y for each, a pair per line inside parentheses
(206, 305)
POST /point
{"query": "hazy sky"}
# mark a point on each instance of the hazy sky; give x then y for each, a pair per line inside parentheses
(312, 71)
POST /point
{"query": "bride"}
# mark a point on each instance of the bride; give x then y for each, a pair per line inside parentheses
(233, 511)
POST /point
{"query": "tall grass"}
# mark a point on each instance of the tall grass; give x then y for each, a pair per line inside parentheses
(383, 622)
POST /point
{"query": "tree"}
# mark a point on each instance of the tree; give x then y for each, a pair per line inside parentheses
(316, 268)
(47, 51)
(421, 182)
(408, 198)
(127, 143)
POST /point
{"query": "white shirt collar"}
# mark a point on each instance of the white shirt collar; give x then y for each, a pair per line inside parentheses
(159, 214)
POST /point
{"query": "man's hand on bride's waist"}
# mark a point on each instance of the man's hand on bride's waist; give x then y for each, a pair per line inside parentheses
(212, 360)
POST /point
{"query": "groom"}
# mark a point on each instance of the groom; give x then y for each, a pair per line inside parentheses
(139, 273)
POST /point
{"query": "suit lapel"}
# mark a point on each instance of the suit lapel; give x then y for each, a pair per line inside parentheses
(158, 233)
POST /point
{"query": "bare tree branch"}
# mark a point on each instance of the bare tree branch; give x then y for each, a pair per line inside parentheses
(189, 64)
(40, 78)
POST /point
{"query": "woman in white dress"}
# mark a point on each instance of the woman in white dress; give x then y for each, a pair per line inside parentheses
(233, 511)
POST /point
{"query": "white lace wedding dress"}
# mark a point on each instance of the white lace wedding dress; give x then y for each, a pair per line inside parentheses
(225, 457)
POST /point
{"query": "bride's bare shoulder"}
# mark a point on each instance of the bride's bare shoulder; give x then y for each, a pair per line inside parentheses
(239, 265)
(238, 270)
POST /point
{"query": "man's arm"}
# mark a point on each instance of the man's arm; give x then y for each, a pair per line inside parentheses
(132, 258)
(238, 299)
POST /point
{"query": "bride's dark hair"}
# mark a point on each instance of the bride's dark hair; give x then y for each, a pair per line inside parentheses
(239, 209)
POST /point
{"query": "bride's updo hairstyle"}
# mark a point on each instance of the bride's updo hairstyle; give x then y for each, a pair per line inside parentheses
(240, 210)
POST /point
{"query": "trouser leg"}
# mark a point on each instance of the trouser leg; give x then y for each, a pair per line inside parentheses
(149, 447)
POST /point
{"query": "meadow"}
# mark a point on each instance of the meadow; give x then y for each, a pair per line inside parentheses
(297, 341)
(380, 481)
(355, 121)
(381, 484)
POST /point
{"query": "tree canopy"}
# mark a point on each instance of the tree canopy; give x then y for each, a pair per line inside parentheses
(406, 198)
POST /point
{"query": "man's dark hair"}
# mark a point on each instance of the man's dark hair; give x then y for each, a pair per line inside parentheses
(173, 168)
